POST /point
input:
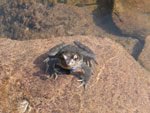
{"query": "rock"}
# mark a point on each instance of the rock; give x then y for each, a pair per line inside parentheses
(119, 85)
(132, 17)
(23, 106)
(144, 57)
(133, 46)
(30, 20)
(3, 2)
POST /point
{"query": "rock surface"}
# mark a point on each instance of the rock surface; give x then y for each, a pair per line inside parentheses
(144, 57)
(119, 85)
(132, 17)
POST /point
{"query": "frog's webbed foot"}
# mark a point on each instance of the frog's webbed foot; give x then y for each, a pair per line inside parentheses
(54, 76)
(50, 64)
(55, 72)
(85, 78)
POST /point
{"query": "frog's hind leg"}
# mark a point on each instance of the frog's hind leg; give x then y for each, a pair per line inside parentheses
(53, 51)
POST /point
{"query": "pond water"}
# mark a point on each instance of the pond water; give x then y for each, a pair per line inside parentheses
(120, 81)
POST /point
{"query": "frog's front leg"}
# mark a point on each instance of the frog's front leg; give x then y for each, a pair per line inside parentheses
(86, 77)
(46, 61)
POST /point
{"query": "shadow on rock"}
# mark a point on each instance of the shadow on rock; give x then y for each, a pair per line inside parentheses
(41, 65)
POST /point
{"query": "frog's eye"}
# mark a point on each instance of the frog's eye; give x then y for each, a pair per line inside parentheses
(64, 56)
(75, 57)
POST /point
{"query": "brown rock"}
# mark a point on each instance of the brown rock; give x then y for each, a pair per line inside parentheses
(119, 85)
(144, 57)
(132, 17)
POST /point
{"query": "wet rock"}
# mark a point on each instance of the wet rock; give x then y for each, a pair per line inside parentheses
(144, 57)
(119, 84)
(132, 17)
(133, 46)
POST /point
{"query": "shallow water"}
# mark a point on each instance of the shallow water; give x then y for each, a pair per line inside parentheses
(118, 82)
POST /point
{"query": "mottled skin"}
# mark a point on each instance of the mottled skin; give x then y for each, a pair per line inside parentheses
(70, 57)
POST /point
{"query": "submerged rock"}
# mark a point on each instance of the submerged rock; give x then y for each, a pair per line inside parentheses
(133, 46)
(22, 20)
(119, 84)
(132, 17)
(144, 57)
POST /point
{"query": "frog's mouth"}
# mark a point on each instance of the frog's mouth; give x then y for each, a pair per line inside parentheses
(67, 64)
(72, 64)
